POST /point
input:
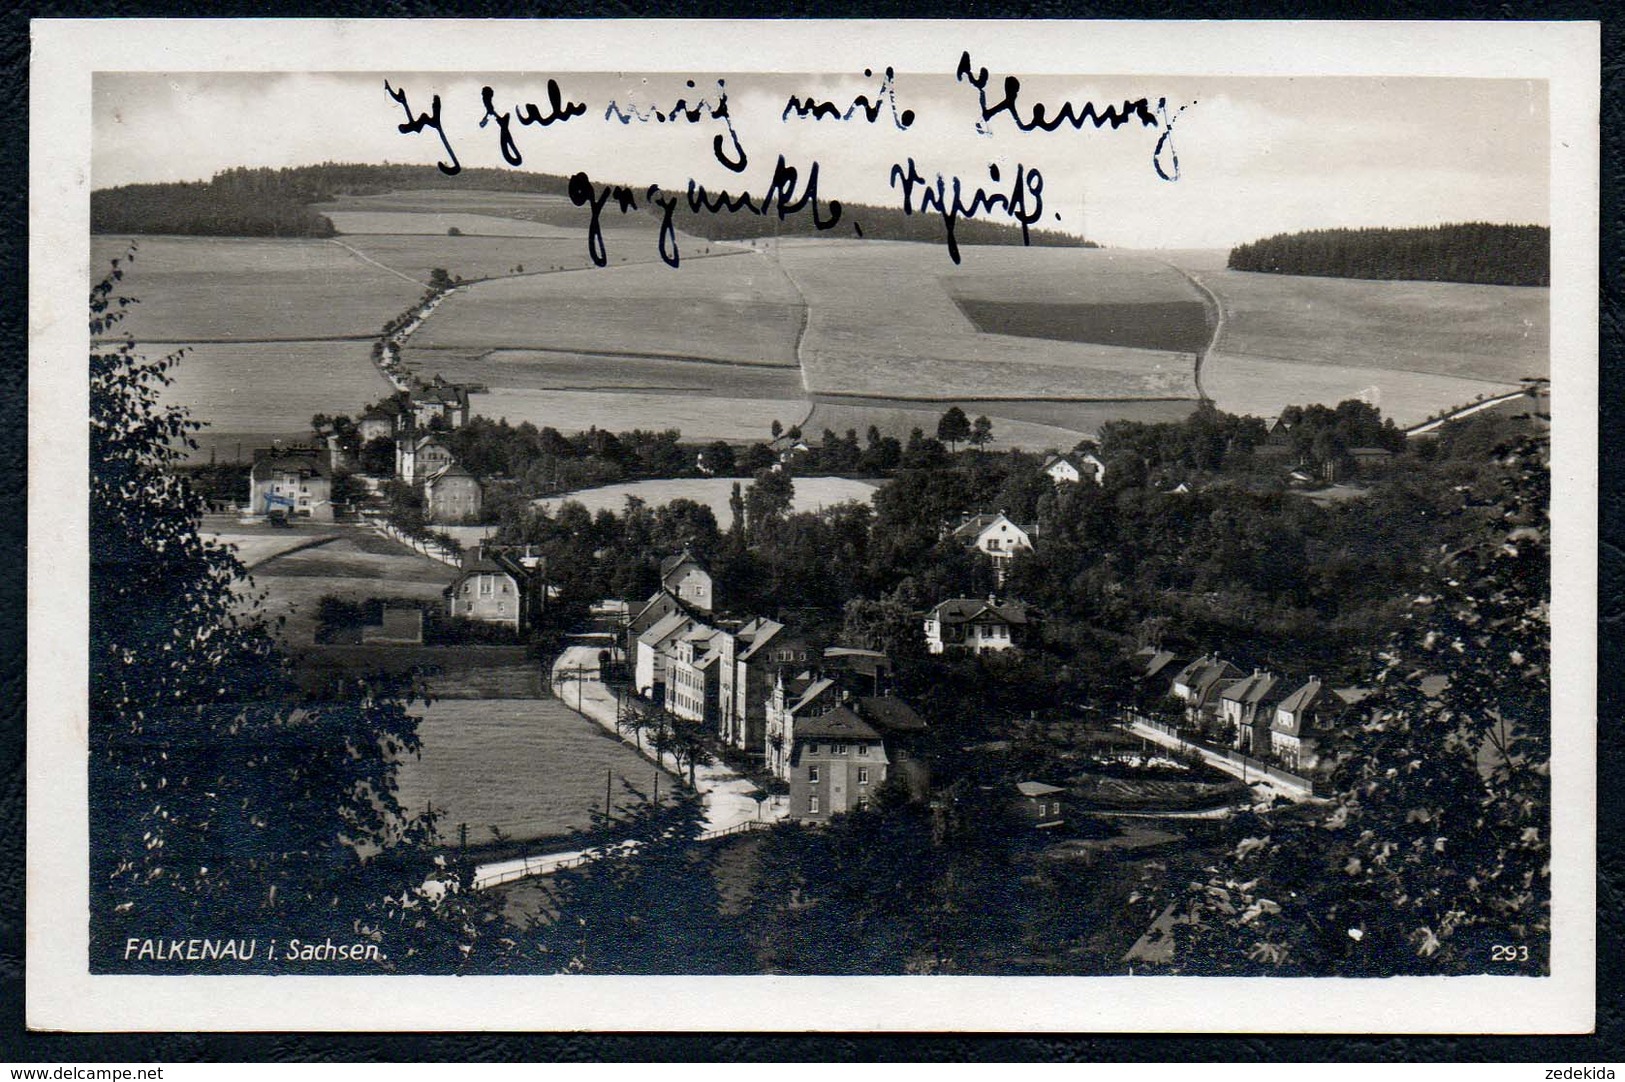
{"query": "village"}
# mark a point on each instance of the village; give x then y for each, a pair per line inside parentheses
(769, 723)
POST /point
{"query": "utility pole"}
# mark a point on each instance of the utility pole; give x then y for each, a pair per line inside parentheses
(606, 792)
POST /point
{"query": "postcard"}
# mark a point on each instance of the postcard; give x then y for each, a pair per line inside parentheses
(812, 526)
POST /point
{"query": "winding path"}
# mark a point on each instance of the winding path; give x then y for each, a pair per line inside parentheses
(1218, 322)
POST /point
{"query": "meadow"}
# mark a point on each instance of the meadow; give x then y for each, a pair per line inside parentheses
(256, 543)
(889, 320)
(1495, 334)
(471, 257)
(204, 289)
(1261, 387)
(811, 494)
(1409, 348)
(731, 308)
(269, 388)
(531, 768)
(567, 370)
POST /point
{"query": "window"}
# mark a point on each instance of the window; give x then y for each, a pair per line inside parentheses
(502, 607)
(812, 773)
(863, 749)
(486, 585)
(812, 749)
(863, 775)
(468, 606)
(840, 749)
(812, 804)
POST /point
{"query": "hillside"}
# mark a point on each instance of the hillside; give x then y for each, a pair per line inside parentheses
(278, 203)
(1478, 253)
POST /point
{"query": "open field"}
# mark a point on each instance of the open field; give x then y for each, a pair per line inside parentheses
(533, 206)
(532, 768)
(1496, 334)
(732, 308)
(270, 387)
(1162, 325)
(565, 370)
(357, 566)
(886, 320)
(1261, 387)
(254, 548)
(698, 418)
(812, 493)
(204, 289)
(473, 257)
(431, 223)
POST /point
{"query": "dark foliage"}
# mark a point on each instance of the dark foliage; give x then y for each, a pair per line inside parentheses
(1478, 252)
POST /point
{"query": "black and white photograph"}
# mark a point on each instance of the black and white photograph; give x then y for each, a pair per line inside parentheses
(1058, 514)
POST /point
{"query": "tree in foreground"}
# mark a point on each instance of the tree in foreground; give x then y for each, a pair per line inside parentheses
(1434, 849)
(223, 800)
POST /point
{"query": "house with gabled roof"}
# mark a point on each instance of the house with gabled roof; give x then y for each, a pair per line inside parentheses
(976, 624)
(1298, 718)
(996, 537)
(1199, 684)
(295, 482)
(495, 586)
(419, 455)
(686, 578)
(440, 404)
(1248, 706)
(751, 657)
(1074, 468)
(1151, 662)
(692, 663)
(1040, 803)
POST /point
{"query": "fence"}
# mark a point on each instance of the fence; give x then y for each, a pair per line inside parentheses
(1247, 762)
(538, 866)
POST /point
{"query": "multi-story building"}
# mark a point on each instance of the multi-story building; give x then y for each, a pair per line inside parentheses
(751, 657)
(836, 763)
(294, 482)
(792, 700)
(693, 664)
(653, 648)
(1292, 731)
(452, 494)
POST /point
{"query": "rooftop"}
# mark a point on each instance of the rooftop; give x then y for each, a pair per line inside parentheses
(840, 722)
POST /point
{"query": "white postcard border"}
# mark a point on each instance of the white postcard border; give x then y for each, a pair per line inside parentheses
(63, 995)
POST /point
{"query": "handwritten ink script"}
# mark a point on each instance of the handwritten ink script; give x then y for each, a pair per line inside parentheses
(1014, 197)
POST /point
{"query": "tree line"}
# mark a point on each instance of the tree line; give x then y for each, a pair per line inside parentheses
(1482, 253)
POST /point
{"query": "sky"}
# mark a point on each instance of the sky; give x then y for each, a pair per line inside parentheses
(1256, 156)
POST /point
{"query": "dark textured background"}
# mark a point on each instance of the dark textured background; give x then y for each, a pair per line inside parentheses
(19, 1046)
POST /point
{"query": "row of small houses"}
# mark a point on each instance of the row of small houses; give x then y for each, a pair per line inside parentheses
(1257, 713)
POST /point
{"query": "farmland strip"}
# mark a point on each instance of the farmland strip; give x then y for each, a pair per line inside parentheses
(365, 258)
